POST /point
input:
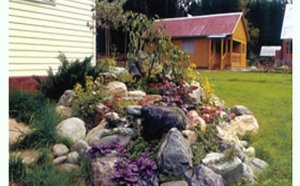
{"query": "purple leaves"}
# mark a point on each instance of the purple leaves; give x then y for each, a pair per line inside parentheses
(102, 150)
(142, 171)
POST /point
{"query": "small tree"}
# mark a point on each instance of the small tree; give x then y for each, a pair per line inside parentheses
(109, 15)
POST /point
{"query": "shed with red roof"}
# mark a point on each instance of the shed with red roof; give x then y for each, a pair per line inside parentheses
(213, 42)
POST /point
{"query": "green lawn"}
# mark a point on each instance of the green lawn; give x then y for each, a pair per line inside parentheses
(269, 96)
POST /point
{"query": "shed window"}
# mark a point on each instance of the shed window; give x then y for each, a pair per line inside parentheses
(189, 45)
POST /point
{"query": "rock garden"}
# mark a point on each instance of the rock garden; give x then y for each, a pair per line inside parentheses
(153, 123)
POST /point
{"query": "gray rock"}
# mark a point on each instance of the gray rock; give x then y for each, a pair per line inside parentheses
(67, 98)
(244, 143)
(72, 128)
(73, 157)
(204, 176)
(227, 133)
(114, 139)
(123, 131)
(257, 164)
(230, 169)
(174, 155)
(96, 134)
(157, 121)
(116, 88)
(244, 124)
(100, 111)
(59, 149)
(68, 167)
(197, 94)
(250, 151)
(175, 183)
(102, 169)
(59, 160)
(239, 110)
(80, 146)
(134, 110)
(248, 175)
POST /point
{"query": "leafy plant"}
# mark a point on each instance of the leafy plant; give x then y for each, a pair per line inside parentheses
(211, 115)
(177, 95)
(142, 171)
(118, 105)
(17, 170)
(86, 100)
(139, 147)
(99, 150)
(68, 74)
(25, 105)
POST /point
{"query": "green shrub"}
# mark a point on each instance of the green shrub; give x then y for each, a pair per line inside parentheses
(86, 100)
(46, 175)
(105, 64)
(68, 74)
(17, 169)
(24, 105)
(137, 147)
(44, 132)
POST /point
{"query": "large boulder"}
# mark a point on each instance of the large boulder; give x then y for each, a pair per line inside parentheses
(116, 88)
(227, 133)
(174, 155)
(204, 176)
(231, 168)
(114, 139)
(239, 110)
(67, 98)
(244, 124)
(102, 171)
(72, 128)
(157, 120)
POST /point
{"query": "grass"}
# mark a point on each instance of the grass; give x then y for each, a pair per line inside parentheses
(269, 97)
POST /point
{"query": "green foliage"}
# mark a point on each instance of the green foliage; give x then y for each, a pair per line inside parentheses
(105, 64)
(166, 178)
(86, 100)
(44, 132)
(86, 170)
(68, 74)
(150, 48)
(17, 170)
(24, 105)
(139, 146)
(46, 175)
(44, 155)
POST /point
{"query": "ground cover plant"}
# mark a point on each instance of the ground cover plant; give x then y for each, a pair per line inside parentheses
(269, 96)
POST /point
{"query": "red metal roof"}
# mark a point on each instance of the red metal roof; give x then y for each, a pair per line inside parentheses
(208, 25)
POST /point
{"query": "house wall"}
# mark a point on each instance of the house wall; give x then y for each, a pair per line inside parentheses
(240, 35)
(39, 30)
(201, 52)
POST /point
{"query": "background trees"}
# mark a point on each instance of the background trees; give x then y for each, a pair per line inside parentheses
(264, 18)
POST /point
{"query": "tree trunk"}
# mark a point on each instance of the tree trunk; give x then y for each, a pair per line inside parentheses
(107, 41)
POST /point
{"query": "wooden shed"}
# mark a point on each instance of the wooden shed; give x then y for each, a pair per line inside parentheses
(39, 29)
(213, 42)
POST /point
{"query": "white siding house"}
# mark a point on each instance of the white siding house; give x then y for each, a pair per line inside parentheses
(39, 29)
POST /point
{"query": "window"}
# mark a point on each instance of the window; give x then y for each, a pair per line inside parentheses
(189, 45)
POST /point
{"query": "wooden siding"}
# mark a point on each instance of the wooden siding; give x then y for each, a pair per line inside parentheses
(38, 31)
